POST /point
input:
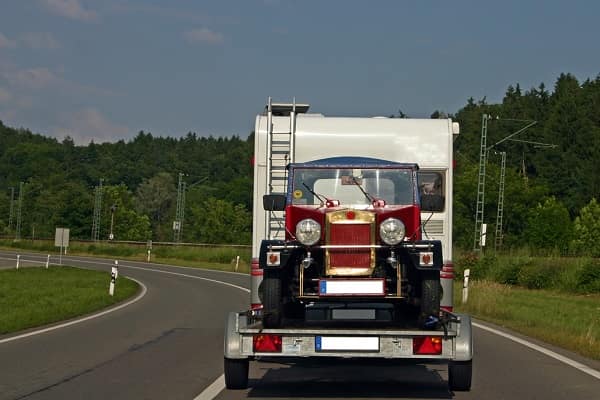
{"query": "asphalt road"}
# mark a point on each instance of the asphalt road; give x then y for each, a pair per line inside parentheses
(169, 345)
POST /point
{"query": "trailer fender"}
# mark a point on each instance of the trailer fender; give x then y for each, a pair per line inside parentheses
(464, 340)
(233, 339)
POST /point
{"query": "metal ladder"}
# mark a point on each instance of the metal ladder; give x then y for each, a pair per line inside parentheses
(280, 152)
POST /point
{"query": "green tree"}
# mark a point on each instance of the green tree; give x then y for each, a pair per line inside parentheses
(549, 226)
(219, 221)
(155, 197)
(119, 205)
(586, 230)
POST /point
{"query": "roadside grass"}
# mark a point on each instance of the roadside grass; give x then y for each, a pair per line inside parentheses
(565, 320)
(35, 296)
(214, 257)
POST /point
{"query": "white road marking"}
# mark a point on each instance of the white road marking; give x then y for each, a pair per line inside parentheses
(543, 350)
(77, 321)
(213, 390)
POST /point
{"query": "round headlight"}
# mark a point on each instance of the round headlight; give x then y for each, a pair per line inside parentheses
(308, 232)
(392, 231)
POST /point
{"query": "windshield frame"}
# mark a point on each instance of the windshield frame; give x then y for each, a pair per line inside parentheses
(396, 184)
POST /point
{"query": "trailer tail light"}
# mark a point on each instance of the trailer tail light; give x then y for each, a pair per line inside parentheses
(427, 345)
(266, 343)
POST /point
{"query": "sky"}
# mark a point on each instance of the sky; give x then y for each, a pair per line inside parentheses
(104, 70)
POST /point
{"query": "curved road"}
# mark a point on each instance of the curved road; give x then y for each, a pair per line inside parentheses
(168, 345)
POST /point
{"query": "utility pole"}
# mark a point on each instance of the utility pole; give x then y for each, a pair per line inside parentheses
(19, 208)
(180, 212)
(97, 212)
(11, 212)
(481, 184)
(483, 152)
(498, 236)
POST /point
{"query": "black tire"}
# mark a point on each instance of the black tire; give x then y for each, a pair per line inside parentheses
(430, 297)
(236, 373)
(272, 302)
(459, 375)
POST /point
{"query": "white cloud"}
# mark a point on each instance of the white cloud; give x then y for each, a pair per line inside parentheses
(6, 42)
(34, 78)
(90, 124)
(70, 9)
(40, 40)
(203, 35)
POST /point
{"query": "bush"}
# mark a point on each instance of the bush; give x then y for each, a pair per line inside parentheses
(507, 271)
(588, 277)
(537, 276)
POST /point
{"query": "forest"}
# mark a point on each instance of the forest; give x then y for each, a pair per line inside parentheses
(552, 184)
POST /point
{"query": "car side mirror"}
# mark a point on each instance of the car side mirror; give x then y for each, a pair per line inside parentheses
(274, 202)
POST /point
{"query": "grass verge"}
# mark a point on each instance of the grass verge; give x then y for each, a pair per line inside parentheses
(214, 257)
(565, 320)
(31, 297)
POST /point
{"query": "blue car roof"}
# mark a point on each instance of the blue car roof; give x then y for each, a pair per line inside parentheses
(359, 162)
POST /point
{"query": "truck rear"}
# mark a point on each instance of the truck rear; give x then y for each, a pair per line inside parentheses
(351, 244)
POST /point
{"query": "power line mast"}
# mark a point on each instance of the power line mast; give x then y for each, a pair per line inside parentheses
(19, 208)
(180, 212)
(499, 236)
(11, 212)
(481, 184)
(97, 212)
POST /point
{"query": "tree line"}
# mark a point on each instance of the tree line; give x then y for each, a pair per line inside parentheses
(550, 199)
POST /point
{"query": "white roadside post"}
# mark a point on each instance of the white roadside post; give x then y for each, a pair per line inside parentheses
(18, 259)
(465, 291)
(47, 261)
(148, 258)
(237, 263)
(114, 274)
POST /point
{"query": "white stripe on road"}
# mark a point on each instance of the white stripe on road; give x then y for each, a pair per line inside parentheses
(213, 390)
(543, 350)
(77, 321)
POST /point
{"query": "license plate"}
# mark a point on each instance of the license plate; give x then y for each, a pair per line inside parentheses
(351, 287)
(346, 343)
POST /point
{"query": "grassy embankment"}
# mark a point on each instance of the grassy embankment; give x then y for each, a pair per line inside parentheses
(35, 296)
(214, 257)
(554, 299)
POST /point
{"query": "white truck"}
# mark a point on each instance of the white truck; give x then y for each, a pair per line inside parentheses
(352, 244)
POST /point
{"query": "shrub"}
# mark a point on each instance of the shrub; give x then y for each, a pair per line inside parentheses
(537, 276)
(588, 277)
(507, 271)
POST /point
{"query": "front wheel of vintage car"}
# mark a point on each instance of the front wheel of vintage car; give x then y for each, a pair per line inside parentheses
(272, 304)
(430, 300)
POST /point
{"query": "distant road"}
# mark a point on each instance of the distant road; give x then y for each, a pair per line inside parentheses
(169, 345)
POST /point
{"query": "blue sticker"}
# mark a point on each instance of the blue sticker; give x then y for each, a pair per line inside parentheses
(323, 287)
(318, 343)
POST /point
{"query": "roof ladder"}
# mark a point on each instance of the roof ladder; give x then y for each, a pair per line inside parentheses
(280, 152)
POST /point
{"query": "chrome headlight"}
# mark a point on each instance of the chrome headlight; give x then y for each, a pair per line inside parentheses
(392, 231)
(308, 232)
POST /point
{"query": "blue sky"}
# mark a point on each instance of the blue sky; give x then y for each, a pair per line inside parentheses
(104, 70)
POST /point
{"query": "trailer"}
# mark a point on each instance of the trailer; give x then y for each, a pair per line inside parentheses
(352, 237)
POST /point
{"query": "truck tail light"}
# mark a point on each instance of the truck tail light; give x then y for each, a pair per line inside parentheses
(427, 345)
(266, 343)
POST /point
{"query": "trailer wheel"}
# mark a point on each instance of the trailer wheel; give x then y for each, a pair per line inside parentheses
(236, 373)
(459, 375)
(430, 298)
(272, 304)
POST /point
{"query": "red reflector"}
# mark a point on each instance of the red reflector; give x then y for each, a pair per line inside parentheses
(266, 343)
(350, 215)
(427, 345)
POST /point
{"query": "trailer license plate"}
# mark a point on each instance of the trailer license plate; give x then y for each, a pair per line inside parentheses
(346, 343)
(351, 287)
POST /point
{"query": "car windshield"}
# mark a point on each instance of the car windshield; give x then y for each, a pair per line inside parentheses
(353, 186)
